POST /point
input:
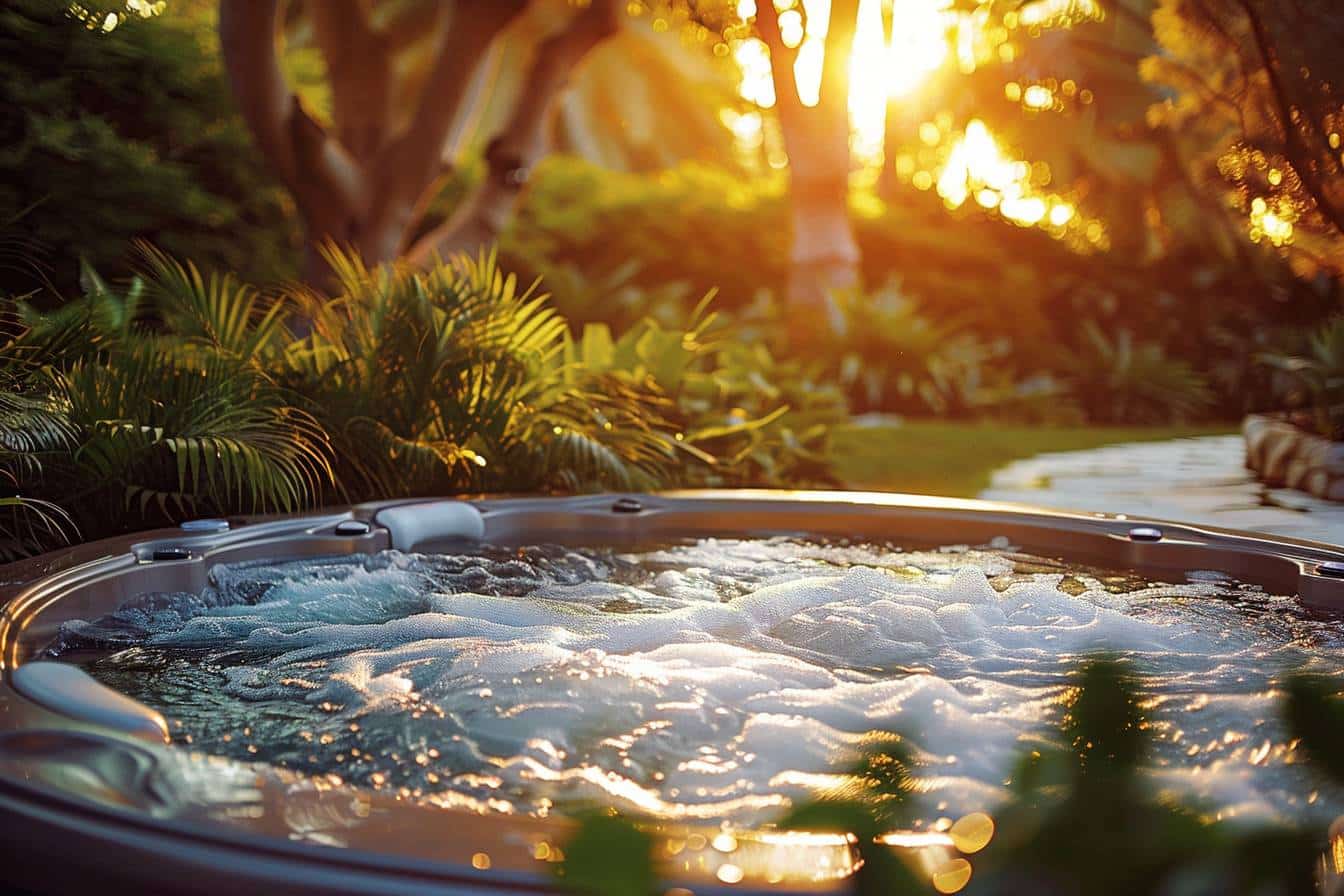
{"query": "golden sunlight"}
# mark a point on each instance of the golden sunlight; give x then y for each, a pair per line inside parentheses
(929, 36)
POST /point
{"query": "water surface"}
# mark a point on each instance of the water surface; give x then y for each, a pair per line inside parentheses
(718, 679)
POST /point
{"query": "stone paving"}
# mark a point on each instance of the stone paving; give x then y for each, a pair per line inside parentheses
(1197, 480)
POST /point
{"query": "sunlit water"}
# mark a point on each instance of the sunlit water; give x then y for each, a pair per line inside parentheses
(714, 680)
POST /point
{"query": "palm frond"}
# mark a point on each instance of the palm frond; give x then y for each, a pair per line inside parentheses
(215, 434)
(210, 310)
(30, 526)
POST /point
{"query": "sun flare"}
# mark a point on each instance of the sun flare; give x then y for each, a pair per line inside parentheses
(891, 63)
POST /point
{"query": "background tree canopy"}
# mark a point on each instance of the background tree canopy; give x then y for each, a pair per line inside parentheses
(1112, 180)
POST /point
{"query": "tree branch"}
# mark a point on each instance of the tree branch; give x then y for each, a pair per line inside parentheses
(413, 160)
(411, 23)
(358, 71)
(1295, 146)
(247, 39)
(836, 61)
(782, 59)
(325, 182)
(522, 140)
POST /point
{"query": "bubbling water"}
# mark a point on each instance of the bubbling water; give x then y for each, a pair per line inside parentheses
(715, 680)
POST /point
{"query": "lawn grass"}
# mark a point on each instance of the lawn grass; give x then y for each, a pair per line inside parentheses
(957, 459)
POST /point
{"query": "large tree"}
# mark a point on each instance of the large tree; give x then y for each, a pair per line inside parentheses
(402, 76)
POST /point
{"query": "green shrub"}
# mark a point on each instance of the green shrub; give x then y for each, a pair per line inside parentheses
(1117, 378)
(455, 380)
(889, 355)
(679, 233)
(107, 136)
(172, 415)
(1314, 380)
(740, 415)
(35, 426)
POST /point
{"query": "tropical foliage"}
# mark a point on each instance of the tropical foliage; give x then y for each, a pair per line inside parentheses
(986, 322)
(1083, 817)
(1117, 378)
(34, 426)
(1256, 94)
(186, 393)
(1311, 383)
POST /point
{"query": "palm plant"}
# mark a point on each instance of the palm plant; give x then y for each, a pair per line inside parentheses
(164, 436)
(34, 425)
(454, 379)
(188, 393)
(171, 410)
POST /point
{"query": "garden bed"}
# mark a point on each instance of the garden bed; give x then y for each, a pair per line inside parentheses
(1283, 454)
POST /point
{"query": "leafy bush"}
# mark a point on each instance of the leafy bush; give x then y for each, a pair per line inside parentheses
(741, 415)
(456, 380)
(1314, 380)
(1081, 818)
(186, 394)
(171, 414)
(34, 425)
(617, 247)
(689, 224)
(891, 356)
(106, 136)
(1117, 378)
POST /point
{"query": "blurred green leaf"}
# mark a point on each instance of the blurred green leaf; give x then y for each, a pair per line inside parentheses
(607, 856)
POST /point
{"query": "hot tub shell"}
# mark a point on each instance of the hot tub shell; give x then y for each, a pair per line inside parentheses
(94, 794)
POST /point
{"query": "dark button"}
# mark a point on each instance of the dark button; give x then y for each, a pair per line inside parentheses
(353, 527)
(626, 505)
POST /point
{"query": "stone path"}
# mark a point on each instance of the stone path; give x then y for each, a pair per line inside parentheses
(1197, 480)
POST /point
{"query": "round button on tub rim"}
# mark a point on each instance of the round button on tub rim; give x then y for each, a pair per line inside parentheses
(352, 527)
(1332, 569)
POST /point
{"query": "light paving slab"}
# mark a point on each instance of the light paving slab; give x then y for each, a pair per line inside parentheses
(1198, 480)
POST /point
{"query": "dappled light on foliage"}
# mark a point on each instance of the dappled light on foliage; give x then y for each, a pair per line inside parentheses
(1256, 85)
(899, 48)
(107, 20)
(976, 168)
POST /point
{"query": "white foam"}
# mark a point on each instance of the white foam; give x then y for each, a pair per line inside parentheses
(734, 677)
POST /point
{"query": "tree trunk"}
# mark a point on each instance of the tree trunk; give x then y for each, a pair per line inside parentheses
(823, 253)
(523, 140)
(362, 187)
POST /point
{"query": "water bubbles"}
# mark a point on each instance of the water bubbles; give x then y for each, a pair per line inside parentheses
(720, 679)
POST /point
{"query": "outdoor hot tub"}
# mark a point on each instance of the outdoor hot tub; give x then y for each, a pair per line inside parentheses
(116, 770)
